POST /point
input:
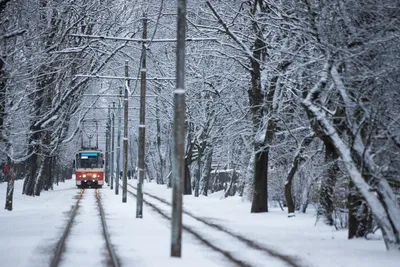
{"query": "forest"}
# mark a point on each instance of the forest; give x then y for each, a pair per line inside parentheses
(290, 102)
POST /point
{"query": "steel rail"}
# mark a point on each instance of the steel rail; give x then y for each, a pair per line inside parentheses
(61, 243)
(105, 232)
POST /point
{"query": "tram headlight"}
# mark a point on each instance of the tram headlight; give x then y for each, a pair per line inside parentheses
(94, 175)
(84, 175)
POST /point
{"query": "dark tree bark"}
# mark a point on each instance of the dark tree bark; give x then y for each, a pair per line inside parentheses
(326, 204)
(10, 175)
(198, 173)
(260, 195)
(207, 169)
(360, 217)
(31, 162)
(295, 164)
(261, 149)
(50, 174)
(160, 175)
(3, 4)
(231, 190)
(187, 184)
(3, 80)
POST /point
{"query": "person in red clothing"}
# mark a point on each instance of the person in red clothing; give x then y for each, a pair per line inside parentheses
(6, 169)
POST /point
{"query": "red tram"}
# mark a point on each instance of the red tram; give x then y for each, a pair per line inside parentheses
(89, 168)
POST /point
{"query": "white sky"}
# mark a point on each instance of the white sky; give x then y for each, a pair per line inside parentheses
(29, 233)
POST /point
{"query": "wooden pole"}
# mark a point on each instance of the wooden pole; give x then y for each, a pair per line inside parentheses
(109, 147)
(125, 148)
(112, 146)
(106, 169)
(178, 157)
(117, 178)
(142, 125)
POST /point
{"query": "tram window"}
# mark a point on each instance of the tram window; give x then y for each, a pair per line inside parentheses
(85, 163)
(89, 160)
(93, 163)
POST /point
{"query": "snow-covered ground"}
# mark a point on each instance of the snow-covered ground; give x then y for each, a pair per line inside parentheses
(29, 233)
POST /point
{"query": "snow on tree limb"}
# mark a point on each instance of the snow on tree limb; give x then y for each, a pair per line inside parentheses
(386, 211)
(377, 208)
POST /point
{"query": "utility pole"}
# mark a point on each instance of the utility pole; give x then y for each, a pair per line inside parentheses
(125, 148)
(142, 125)
(108, 146)
(178, 157)
(118, 146)
(112, 145)
(107, 151)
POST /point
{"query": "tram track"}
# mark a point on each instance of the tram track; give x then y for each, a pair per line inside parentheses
(61, 247)
(61, 243)
(110, 248)
(195, 225)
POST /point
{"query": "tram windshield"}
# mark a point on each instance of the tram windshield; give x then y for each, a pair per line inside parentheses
(88, 160)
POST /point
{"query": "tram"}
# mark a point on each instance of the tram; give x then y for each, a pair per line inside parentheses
(89, 168)
(89, 160)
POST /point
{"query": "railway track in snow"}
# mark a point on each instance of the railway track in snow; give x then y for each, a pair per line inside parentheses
(236, 248)
(86, 216)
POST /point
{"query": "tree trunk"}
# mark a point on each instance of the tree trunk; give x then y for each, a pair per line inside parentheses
(326, 203)
(3, 80)
(260, 194)
(295, 165)
(9, 172)
(352, 207)
(261, 149)
(187, 185)
(198, 173)
(305, 196)
(231, 190)
(289, 198)
(169, 181)
(31, 167)
(48, 173)
(160, 174)
(207, 170)
(40, 177)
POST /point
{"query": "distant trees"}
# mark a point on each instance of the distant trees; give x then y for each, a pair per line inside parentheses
(41, 90)
(54, 93)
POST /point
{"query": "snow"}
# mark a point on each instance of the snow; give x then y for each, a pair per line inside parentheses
(29, 233)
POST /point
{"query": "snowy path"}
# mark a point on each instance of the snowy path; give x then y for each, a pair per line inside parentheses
(30, 232)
